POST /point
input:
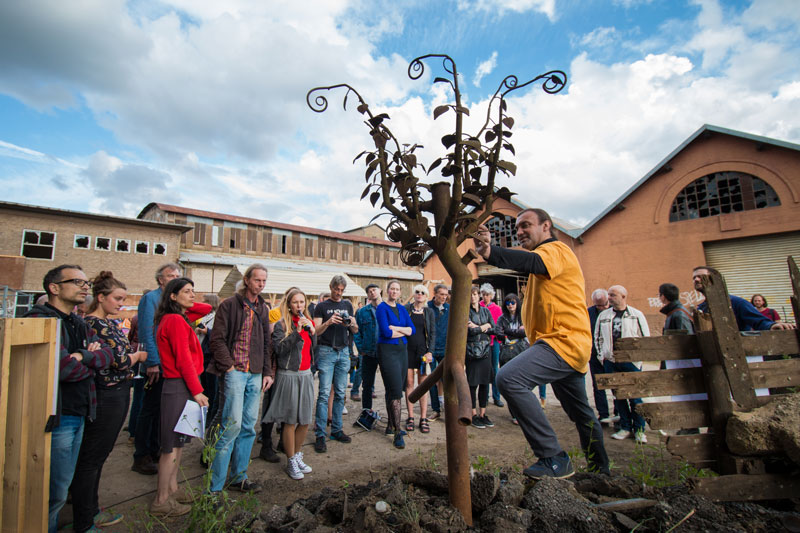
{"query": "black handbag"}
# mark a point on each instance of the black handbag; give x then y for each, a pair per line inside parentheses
(478, 349)
(509, 351)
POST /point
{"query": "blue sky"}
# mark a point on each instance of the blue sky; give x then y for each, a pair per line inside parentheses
(111, 105)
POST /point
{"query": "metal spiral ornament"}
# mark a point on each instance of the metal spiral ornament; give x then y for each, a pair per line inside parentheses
(417, 68)
(320, 102)
(412, 254)
(554, 81)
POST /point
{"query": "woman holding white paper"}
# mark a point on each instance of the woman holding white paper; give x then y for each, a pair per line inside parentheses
(181, 365)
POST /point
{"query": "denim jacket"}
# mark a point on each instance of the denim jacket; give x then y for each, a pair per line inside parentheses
(366, 338)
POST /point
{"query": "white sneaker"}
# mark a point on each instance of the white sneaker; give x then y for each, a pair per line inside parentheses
(298, 460)
(609, 420)
(293, 470)
(640, 437)
(344, 410)
(622, 434)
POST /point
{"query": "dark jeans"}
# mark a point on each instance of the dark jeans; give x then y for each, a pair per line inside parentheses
(369, 366)
(600, 398)
(539, 365)
(147, 440)
(629, 419)
(209, 383)
(136, 404)
(495, 368)
(266, 429)
(393, 360)
(435, 405)
(99, 437)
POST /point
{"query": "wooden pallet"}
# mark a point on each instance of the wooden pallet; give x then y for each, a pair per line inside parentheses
(729, 382)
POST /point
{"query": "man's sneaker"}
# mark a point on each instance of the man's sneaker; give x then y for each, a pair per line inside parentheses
(107, 518)
(399, 442)
(145, 465)
(341, 437)
(477, 422)
(499, 402)
(607, 421)
(245, 485)
(640, 437)
(293, 470)
(558, 466)
(344, 410)
(622, 434)
(355, 397)
(487, 422)
(298, 459)
(320, 446)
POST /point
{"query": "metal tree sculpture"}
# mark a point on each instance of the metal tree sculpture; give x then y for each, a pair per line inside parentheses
(458, 206)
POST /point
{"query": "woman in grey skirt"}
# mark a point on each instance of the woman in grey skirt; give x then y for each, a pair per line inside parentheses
(293, 399)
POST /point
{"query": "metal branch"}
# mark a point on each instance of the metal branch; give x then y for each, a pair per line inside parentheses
(555, 80)
(417, 68)
(321, 103)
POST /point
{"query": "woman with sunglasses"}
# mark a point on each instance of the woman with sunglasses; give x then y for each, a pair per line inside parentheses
(181, 363)
(510, 330)
(420, 352)
(113, 386)
(394, 327)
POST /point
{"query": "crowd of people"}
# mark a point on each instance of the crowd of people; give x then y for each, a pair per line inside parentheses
(251, 364)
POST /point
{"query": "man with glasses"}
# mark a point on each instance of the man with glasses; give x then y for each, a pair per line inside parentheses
(147, 440)
(366, 340)
(441, 310)
(81, 355)
(600, 303)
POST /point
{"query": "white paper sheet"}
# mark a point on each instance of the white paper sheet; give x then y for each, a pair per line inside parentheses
(192, 420)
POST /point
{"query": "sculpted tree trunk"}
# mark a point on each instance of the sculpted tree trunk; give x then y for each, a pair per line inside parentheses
(458, 207)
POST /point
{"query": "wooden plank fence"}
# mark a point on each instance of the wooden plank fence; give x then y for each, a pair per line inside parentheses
(729, 383)
(27, 385)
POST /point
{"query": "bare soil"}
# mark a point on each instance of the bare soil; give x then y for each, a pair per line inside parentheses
(364, 469)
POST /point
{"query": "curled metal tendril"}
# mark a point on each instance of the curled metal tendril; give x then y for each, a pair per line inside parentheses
(320, 103)
(416, 68)
(554, 81)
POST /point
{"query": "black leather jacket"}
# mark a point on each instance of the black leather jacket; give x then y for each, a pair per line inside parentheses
(430, 325)
(288, 350)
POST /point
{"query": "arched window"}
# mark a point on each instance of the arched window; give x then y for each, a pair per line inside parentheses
(721, 193)
(503, 231)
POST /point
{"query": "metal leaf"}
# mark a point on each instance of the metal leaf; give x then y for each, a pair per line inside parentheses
(374, 121)
(509, 122)
(449, 140)
(471, 199)
(510, 148)
(374, 197)
(508, 166)
(462, 109)
(490, 136)
(475, 173)
(439, 111)
(366, 192)
(362, 108)
(359, 156)
(434, 165)
(441, 80)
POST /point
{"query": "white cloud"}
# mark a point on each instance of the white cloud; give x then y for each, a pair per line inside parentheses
(484, 69)
(599, 37)
(546, 7)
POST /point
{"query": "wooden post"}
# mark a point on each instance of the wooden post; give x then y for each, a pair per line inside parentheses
(728, 341)
(794, 275)
(27, 385)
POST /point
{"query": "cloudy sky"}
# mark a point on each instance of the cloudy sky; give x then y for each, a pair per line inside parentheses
(107, 105)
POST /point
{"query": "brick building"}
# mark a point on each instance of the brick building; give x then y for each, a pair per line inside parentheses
(35, 239)
(219, 247)
(723, 198)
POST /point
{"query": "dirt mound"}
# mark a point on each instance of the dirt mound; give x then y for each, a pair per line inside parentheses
(413, 500)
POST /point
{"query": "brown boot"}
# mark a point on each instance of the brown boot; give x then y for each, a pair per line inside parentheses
(169, 508)
(145, 465)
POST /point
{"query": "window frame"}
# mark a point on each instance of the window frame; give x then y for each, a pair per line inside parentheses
(38, 233)
(116, 246)
(136, 247)
(77, 236)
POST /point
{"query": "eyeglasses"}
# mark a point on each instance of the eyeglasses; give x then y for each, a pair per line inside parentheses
(79, 282)
(511, 302)
(421, 292)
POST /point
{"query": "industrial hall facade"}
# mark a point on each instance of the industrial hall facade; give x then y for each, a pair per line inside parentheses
(723, 198)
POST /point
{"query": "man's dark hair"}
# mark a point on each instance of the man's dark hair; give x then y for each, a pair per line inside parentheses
(711, 270)
(371, 286)
(670, 291)
(54, 276)
(541, 216)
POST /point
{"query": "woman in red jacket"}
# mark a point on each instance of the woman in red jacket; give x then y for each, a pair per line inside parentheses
(181, 365)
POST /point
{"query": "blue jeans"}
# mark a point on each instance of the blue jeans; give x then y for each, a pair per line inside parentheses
(629, 419)
(356, 378)
(435, 405)
(242, 394)
(333, 366)
(495, 368)
(64, 448)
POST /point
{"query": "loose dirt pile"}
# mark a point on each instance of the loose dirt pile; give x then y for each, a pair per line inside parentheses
(416, 500)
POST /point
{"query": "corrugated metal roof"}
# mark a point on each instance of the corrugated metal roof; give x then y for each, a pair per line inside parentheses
(94, 216)
(268, 223)
(280, 280)
(300, 266)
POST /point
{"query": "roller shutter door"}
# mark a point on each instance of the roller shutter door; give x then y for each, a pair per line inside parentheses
(758, 265)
